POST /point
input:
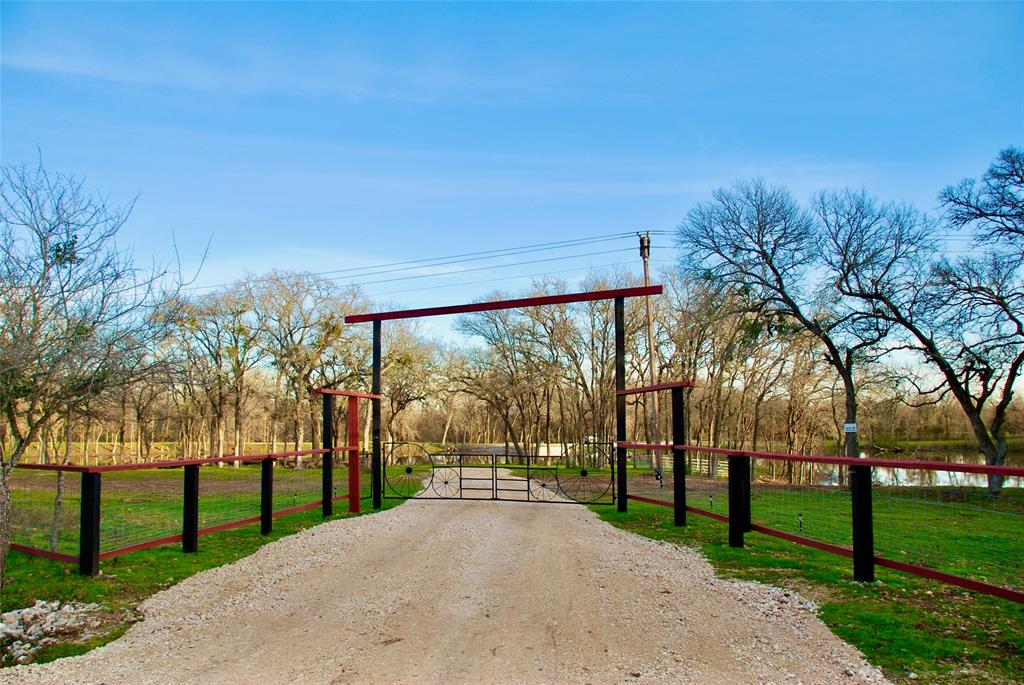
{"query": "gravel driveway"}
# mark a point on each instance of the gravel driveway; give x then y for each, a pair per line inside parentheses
(467, 592)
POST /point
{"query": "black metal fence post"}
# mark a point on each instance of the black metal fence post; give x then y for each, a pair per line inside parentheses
(738, 472)
(266, 496)
(376, 467)
(748, 524)
(89, 525)
(678, 457)
(190, 510)
(863, 526)
(327, 462)
(620, 400)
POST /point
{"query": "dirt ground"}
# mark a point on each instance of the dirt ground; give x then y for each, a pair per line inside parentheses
(467, 592)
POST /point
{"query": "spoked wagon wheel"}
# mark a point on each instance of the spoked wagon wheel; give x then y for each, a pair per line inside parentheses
(585, 475)
(408, 470)
(447, 483)
(543, 486)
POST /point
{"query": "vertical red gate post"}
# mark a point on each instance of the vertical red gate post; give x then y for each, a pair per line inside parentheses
(351, 446)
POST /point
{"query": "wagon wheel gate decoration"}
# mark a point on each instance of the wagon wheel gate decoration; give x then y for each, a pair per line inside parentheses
(447, 483)
(408, 470)
(584, 473)
(543, 485)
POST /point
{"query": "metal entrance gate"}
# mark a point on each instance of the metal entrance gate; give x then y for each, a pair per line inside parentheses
(585, 476)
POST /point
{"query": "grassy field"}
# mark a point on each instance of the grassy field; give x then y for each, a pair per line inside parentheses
(902, 623)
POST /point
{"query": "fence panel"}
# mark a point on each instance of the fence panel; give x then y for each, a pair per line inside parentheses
(139, 507)
(947, 521)
(801, 499)
(228, 496)
(37, 522)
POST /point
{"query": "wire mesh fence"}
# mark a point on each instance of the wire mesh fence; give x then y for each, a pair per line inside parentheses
(957, 523)
(950, 522)
(139, 506)
(295, 486)
(229, 494)
(801, 499)
(43, 517)
(706, 480)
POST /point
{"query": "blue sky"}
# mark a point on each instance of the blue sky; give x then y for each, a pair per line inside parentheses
(331, 136)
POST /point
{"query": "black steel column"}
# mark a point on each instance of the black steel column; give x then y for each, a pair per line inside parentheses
(190, 510)
(376, 468)
(620, 400)
(678, 457)
(863, 527)
(327, 463)
(89, 525)
(748, 475)
(266, 496)
(737, 509)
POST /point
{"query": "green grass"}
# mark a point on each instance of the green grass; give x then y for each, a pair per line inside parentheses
(902, 623)
(126, 580)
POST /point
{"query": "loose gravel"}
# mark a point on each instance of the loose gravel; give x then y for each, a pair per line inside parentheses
(468, 592)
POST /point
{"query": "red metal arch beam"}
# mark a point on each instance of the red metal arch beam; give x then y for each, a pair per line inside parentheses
(506, 304)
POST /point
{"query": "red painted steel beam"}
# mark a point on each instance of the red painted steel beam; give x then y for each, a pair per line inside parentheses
(710, 514)
(345, 393)
(71, 468)
(655, 388)
(1012, 471)
(353, 454)
(140, 546)
(649, 500)
(45, 553)
(967, 584)
(506, 304)
(801, 540)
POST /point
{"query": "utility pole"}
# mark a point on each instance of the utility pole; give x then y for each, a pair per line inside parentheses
(645, 254)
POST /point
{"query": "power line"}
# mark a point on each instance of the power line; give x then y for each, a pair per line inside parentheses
(514, 277)
(493, 266)
(379, 269)
(496, 280)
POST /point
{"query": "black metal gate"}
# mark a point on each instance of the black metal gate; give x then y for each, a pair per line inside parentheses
(582, 476)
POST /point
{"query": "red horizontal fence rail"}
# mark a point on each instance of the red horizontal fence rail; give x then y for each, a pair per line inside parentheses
(90, 552)
(170, 464)
(862, 549)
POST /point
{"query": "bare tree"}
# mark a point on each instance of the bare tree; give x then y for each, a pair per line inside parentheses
(963, 318)
(756, 241)
(302, 331)
(75, 313)
(994, 209)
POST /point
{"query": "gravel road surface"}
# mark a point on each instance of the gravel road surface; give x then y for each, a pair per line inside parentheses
(467, 592)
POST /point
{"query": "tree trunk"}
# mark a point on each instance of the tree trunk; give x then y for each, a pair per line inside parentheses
(852, 449)
(58, 500)
(5, 522)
